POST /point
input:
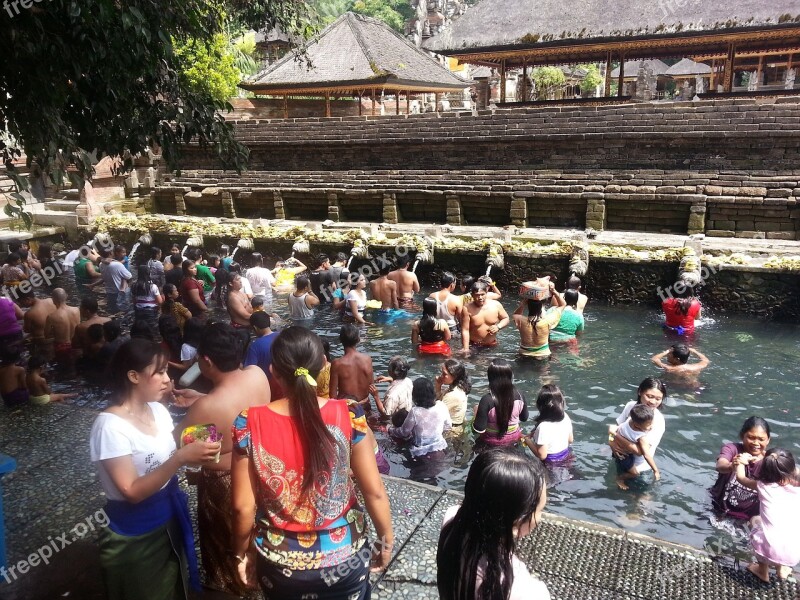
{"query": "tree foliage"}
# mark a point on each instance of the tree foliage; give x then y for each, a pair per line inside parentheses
(209, 68)
(392, 12)
(591, 80)
(103, 78)
(547, 80)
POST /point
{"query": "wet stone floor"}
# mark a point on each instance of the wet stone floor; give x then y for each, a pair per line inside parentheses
(52, 497)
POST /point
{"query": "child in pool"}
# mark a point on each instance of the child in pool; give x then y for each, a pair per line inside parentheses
(398, 395)
(775, 533)
(13, 389)
(38, 387)
(634, 430)
(552, 434)
(257, 303)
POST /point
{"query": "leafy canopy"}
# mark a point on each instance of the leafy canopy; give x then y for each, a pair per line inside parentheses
(392, 12)
(547, 79)
(104, 77)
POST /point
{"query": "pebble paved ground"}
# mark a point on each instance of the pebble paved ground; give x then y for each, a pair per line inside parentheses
(55, 491)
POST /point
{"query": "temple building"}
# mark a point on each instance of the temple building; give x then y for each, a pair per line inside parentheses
(357, 57)
(749, 45)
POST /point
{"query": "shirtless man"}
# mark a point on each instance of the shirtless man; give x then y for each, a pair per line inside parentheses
(448, 304)
(481, 319)
(678, 361)
(574, 283)
(89, 316)
(407, 282)
(235, 390)
(384, 289)
(36, 316)
(352, 374)
(61, 323)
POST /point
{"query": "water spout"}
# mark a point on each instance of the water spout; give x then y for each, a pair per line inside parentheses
(359, 250)
(495, 258)
(244, 244)
(414, 268)
(134, 249)
(489, 270)
(183, 252)
(144, 240)
(196, 241)
(301, 246)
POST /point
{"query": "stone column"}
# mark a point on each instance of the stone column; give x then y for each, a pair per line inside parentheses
(334, 213)
(390, 213)
(519, 212)
(596, 214)
(454, 214)
(280, 212)
(228, 210)
(180, 204)
(697, 218)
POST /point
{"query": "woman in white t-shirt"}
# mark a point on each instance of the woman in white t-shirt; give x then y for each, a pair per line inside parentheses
(149, 535)
(552, 434)
(504, 498)
(260, 278)
(356, 303)
(652, 392)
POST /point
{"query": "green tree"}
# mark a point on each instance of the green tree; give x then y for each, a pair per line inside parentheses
(103, 78)
(394, 13)
(547, 80)
(209, 68)
(330, 10)
(591, 80)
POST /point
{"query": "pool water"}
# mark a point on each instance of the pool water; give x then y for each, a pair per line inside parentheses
(754, 370)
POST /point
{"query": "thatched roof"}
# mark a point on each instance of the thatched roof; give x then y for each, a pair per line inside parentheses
(355, 53)
(688, 68)
(529, 23)
(632, 67)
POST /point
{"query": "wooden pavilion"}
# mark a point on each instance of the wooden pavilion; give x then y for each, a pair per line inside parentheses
(733, 35)
(356, 56)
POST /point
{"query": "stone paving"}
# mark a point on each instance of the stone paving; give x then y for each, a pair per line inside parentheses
(55, 491)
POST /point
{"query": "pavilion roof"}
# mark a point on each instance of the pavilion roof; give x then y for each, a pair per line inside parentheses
(687, 67)
(632, 67)
(536, 25)
(354, 53)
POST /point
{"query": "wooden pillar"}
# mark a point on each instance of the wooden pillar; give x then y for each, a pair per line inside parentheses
(524, 83)
(285, 106)
(408, 102)
(436, 101)
(607, 83)
(621, 78)
(713, 81)
(373, 102)
(760, 71)
(502, 81)
(359, 103)
(728, 81)
(327, 104)
(789, 66)
(397, 102)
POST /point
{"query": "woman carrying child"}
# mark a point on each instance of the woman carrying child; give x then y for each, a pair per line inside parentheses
(431, 334)
(775, 533)
(504, 498)
(651, 392)
(499, 412)
(552, 433)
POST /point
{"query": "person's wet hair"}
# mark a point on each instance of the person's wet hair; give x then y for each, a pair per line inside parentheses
(143, 283)
(36, 361)
(222, 346)
(341, 257)
(256, 259)
(111, 330)
(641, 414)
(398, 367)
(478, 286)
(778, 467)
(322, 259)
(501, 385)
(386, 269)
(134, 355)
(653, 383)
(155, 252)
(574, 282)
(302, 282)
(459, 374)
(13, 258)
(255, 301)
(754, 423)
(176, 260)
(571, 297)
(447, 279)
(427, 324)
(681, 352)
(467, 282)
(224, 250)
(89, 304)
(422, 393)
(260, 320)
(349, 335)
(550, 404)
(503, 490)
(403, 261)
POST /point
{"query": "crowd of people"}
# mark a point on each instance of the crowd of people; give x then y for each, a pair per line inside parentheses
(280, 430)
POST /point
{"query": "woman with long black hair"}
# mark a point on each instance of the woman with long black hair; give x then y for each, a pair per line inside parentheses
(147, 298)
(149, 539)
(504, 497)
(290, 477)
(431, 333)
(499, 412)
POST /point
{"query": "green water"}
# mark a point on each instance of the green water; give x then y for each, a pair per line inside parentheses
(754, 370)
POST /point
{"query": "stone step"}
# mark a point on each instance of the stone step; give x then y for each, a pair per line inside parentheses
(61, 205)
